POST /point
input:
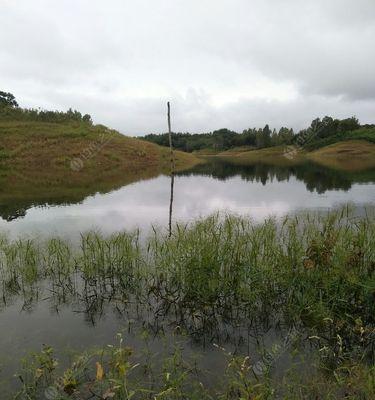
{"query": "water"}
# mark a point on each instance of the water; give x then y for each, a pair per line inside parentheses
(257, 190)
(71, 325)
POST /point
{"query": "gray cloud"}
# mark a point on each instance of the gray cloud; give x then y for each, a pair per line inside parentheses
(234, 63)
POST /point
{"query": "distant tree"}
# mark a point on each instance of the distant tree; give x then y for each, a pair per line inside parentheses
(266, 136)
(326, 129)
(87, 118)
(259, 138)
(274, 138)
(249, 137)
(348, 124)
(285, 136)
(315, 124)
(224, 138)
(7, 100)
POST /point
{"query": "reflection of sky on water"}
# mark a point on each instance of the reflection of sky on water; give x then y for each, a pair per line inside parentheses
(146, 202)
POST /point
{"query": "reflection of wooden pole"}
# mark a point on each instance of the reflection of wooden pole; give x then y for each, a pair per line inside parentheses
(172, 169)
(171, 206)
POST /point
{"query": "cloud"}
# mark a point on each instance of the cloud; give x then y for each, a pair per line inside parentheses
(234, 63)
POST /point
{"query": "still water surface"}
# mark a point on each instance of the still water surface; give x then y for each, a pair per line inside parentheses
(257, 190)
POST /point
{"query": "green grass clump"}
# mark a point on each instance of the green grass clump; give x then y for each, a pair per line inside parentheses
(115, 373)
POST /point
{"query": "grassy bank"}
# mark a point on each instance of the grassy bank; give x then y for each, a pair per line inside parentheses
(351, 155)
(43, 162)
(42, 145)
(312, 274)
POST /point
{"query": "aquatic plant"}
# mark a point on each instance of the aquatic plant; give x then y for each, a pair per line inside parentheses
(114, 373)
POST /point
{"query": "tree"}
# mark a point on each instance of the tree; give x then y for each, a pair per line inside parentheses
(259, 138)
(249, 136)
(223, 138)
(87, 118)
(348, 124)
(315, 124)
(266, 136)
(7, 100)
(285, 135)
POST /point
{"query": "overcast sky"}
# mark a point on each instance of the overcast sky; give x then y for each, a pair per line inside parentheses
(222, 63)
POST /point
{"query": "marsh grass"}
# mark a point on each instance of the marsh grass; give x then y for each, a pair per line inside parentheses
(221, 277)
(115, 372)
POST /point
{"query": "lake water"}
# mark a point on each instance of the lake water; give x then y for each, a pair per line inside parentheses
(27, 321)
(256, 190)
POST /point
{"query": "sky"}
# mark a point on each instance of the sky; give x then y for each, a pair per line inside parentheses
(221, 63)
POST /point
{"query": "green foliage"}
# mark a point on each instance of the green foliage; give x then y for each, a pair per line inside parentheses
(223, 139)
(113, 373)
(9, 110)
(37, 373)
(7, 100)
(327, 130)
(365, 133)
(24, 114)
(220, 140)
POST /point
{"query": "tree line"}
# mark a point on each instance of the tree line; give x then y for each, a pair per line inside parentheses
(225, 139)
(10, 110)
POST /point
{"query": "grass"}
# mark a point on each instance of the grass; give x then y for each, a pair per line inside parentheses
(237, 150)
(312, 273)
(232, 151)
(36, 157)
(48, 145)
(204, 152)
(350, 156)
(113, 372)
(270, 155)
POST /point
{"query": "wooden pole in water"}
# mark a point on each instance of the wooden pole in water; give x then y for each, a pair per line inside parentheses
(172, 168)
(170, 138)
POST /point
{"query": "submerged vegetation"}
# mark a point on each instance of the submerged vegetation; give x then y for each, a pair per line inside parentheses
(222, 280)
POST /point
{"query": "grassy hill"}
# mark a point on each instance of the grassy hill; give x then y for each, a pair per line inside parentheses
(270, 155)
(55, 145)
(48, 162)
(349, 155)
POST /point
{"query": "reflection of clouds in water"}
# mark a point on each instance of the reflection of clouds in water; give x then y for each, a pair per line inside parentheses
(146, 202)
